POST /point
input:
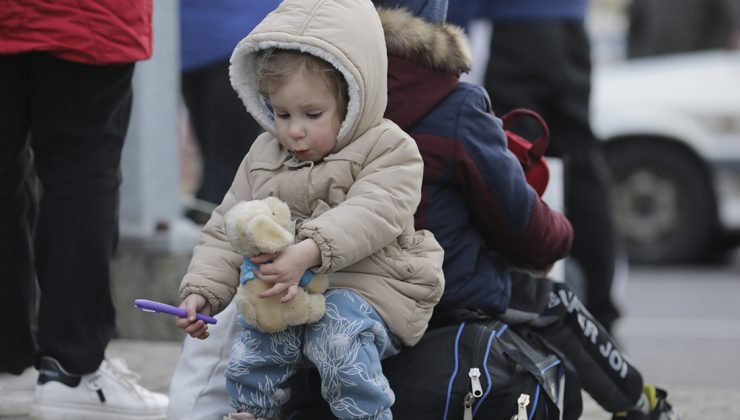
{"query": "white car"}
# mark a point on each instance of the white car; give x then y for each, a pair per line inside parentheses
(671, 127)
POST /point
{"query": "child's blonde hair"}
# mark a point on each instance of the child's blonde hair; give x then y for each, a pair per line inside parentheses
(275, 65)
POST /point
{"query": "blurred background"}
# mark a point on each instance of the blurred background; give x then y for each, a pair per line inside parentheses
(666, 105)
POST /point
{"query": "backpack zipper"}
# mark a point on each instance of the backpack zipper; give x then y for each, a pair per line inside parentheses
(522, 402)
(475, 387)
(475, 392)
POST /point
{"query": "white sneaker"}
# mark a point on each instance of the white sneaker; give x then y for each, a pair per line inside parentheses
(16, 393)
(111, 393)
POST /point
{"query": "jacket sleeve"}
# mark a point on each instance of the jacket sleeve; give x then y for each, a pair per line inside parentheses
(513, 220)
(214, 268)
(379, 206)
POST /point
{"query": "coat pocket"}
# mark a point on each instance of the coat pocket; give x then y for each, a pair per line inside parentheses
(412, 258)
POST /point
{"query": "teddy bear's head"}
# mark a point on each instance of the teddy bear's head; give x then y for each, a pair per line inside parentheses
(259, 226)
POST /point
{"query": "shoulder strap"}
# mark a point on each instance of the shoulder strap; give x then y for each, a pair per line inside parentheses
(456, 316)
(539, 146)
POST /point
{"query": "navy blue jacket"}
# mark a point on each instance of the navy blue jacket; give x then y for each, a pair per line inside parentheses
(210, 29)
(475, 198)
(462, 12)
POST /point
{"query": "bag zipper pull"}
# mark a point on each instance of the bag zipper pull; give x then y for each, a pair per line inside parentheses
(474, 374)
(475, 392)
(468, 404)
(522, 402)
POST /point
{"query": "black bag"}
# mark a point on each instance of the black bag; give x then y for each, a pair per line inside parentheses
(482, 370)
(436, 379)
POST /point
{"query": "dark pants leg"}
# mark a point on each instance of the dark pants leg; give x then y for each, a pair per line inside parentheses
(17, 215)
(558, 317)
(224, 129)
(545, 66)
(78, 117)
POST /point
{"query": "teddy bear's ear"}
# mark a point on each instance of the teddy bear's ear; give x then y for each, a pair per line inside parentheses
(236, 220)
(267, 235)
(280, 210)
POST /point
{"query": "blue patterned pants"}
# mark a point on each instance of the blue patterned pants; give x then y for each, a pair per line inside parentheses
(346, 345)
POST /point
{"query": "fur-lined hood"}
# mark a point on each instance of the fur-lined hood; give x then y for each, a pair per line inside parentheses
(440, 46)
(347, 34)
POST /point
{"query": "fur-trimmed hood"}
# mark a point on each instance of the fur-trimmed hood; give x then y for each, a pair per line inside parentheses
(425, 61)
(439, 46)
(347, 35)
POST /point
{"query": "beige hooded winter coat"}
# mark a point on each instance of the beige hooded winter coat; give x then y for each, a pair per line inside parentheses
(358, 203)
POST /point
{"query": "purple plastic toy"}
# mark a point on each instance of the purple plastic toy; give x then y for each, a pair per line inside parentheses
(152, 306)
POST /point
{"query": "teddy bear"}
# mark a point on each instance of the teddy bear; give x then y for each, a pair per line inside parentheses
(260, 227)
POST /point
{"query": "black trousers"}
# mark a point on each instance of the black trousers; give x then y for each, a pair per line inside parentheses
(545, 65)
(224, 129)
(62, 128)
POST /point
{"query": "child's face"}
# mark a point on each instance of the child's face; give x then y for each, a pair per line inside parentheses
(306, 116)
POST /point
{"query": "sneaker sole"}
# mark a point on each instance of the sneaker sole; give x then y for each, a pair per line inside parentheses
(61, 412)
(15, 403)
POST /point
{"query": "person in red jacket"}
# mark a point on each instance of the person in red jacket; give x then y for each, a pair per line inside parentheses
(65, 77)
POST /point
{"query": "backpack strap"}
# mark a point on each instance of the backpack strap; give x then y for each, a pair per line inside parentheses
(529, 153)
(539, 146)
(456, 316)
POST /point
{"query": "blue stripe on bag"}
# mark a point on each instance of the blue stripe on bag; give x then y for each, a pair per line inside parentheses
(537, 391)
(536, 400)
(560, 382)
(485, 366)
(555, 363)
(454, 373)
(485, 369)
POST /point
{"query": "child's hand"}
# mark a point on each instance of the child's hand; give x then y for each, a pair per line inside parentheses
(196, 328)
(286, 268)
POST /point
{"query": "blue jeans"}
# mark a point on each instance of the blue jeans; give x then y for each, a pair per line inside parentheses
(346, 345)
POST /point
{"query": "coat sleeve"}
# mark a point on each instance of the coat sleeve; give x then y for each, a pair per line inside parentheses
(513, 220)
(379, 206)
(214, 267)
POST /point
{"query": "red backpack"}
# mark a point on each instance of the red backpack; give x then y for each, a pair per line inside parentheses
(530, 153)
